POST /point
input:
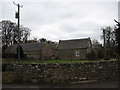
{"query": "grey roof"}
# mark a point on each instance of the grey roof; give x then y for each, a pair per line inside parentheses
(26, 47)
(74, 43)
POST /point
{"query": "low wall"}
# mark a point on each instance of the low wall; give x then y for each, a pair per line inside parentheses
(64, 72)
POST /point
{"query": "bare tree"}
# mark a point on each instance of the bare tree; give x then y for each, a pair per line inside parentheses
(109, 36)
(109, 42)
(10, 33)
(25, 32)
(95, 42)
(117, 37)
(7, 31)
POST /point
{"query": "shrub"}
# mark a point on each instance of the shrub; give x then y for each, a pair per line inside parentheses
(91, 56)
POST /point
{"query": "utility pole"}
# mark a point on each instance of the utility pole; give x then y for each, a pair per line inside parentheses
(17, 16)
(104, 43)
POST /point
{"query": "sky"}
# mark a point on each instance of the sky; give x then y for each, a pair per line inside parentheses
(62, 19)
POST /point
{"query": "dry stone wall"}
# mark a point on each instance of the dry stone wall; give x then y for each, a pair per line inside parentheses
(65, 72)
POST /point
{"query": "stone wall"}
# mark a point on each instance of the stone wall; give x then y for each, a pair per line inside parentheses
(65, 72)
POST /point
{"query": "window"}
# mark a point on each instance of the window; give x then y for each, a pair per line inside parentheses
(77, 53)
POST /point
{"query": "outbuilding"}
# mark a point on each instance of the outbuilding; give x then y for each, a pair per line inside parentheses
(74, 49)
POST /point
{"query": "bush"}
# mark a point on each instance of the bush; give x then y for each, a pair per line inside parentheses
(92, 56)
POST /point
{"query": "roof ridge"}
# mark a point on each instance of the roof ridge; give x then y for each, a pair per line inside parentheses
(75, 39)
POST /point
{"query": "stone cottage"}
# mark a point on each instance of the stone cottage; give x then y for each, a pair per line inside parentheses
(75, 49)
(34, 50)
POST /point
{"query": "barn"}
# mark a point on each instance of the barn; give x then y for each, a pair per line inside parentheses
(34, 50)
(74, 49)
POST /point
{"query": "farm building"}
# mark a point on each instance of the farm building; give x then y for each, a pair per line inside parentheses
(34, 50)
(75, 49)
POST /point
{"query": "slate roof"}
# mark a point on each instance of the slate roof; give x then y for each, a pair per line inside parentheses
(26, 47)
(74, 43)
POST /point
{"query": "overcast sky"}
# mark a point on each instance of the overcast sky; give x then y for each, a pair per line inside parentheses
(62, 20)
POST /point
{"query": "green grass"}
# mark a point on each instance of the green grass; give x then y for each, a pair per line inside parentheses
(47, 61)
(58, 61)
(8, 60)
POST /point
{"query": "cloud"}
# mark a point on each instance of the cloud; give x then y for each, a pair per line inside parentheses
(64, 20)
(61, 0)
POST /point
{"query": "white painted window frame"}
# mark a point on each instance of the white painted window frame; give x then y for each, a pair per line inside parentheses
(77, 53)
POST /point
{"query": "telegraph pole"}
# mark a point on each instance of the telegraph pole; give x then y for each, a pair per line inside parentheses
(17, 16)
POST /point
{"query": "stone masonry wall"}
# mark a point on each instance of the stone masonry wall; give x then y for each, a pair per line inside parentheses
(65, 72)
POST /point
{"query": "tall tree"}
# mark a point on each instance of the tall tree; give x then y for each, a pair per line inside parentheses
(117, 34)
(7, 28)
(109, 36)
(109, 42)
(10, 33)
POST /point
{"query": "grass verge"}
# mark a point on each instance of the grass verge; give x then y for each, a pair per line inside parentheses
(10, 61)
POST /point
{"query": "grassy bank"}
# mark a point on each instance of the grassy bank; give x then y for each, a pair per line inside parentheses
(5, 61)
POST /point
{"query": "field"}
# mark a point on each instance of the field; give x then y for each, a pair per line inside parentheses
(10, 60)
